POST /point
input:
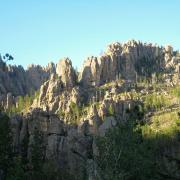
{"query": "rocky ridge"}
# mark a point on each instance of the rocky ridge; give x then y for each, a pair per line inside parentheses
(72, 108)
(15, 81)
(127, 63)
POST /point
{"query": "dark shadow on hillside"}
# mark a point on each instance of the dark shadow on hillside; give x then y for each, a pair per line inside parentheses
(131, 151)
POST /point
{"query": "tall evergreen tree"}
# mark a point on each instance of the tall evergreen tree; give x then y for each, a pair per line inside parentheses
(6, 149)
(37, 152)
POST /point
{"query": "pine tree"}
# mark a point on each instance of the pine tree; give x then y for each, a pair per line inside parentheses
(24, 149)
(6, 148)
(37, 153)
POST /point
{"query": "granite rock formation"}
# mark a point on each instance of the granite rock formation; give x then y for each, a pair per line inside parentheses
(17, 81)
(72, 108)
(66, 72)
(129, 61)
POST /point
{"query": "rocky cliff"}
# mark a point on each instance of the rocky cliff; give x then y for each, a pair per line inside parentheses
(129, 61)
(16, 81)
(73, 108)
(124, 64)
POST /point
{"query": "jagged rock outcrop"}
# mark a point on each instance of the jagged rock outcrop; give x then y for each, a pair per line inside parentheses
(49, 91)
(9, 101)
(63, 143)
(55, 97)
(37, 75)
(66, 72)
(71, 146)
(71, 111)
(90, 74)
(128, 61)
(16, 81)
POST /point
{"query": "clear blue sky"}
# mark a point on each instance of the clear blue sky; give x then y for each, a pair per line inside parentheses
(39, 31)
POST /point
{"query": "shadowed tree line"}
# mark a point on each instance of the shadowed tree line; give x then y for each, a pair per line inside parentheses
(21, 165)
(132, 151)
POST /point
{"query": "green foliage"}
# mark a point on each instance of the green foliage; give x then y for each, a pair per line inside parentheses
(75, 113)
(111, 110)
(17, 166)
(61, 113)
(7, 57)
(10, 163)
(23, 104)
(97, 104)
(137, 113)
(20, 103)
(124, 155)
(78, 111)
(17, 171)
(143, 80)
(159, 76)
(36, 94)
(37, 152)
(51, 172)
(6, 149)
(134, 151)
(176, 91)
(156, 102)
(145, 67)
(24, 150)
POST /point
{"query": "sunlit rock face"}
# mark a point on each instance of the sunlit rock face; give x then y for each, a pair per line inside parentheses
(66, 72)
(90, 73)
(37, 75)
(127, 60)
(94, 99)
(17, 81)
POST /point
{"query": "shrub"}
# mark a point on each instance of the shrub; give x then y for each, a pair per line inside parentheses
(75, 113)
(156, 102)
(23, 103)
(111, 110)
(6, 149)
(176, 91)
(132, 151)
